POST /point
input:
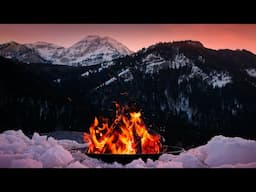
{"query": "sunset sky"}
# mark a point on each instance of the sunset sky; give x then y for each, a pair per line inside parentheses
(135, 36)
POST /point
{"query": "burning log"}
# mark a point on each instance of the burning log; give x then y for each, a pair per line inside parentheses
(126, 134)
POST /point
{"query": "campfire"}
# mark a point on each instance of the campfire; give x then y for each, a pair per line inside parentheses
(125, 134)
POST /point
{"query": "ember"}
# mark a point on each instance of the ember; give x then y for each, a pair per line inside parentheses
(126, 134)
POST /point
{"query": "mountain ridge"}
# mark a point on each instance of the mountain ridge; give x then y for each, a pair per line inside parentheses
(90, 50)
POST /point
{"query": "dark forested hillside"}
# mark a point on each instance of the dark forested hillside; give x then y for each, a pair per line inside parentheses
(185, 91)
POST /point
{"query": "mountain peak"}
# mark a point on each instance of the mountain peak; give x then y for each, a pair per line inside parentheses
(90, 38)
(91, 50)
(175, 44)
(12, 43)
(93, 37)
(91, 43)
(189, 43)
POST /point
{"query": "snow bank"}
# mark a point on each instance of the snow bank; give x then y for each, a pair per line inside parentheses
(56, 156)
(222, 150)
(76, 164)
(19, 151)
(26, 163)
(69, 144)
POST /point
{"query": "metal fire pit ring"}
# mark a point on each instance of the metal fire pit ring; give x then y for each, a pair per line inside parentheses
(127, 158)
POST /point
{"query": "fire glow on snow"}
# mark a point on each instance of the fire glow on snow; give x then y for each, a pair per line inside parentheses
(19, 151)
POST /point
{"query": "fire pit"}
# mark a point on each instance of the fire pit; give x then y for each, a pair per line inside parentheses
(125, 138)
(127, 158)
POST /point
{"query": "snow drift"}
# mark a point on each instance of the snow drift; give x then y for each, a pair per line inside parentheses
(19, 151)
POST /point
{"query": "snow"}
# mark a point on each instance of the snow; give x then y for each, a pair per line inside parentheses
(126, 75)
(189, 160)
(153, 63)
(48, 51)
(6, 159)
(154, 67)
(26, 163)
(19, 151)
(123, 72)
(106, 65)
(118, 46)
(138, 163)
(151, 57)
(85, 74)
(76, 164)
(57, 80)
(201, 59)
(110, 81)
(92, 50)
(215, 79)
(219, 79)
(56, 156)
(181, 104)
(100, 69)
(225, 150)
(70, 144)
(239, 165)
(251, 72)
(179, 61)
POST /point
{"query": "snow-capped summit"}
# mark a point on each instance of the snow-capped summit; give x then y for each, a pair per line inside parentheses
(94, 49)
(91, 50)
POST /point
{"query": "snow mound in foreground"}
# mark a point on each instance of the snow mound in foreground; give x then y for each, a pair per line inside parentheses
(19, 151)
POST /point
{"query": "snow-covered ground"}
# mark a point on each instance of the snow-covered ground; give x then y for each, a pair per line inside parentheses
(19, 151)
(251, 72)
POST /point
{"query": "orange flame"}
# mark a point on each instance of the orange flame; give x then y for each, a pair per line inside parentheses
(127, 134)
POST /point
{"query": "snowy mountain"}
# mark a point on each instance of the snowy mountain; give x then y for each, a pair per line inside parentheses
(46, 50)
(90, 50)
(20, 52)
(93, 50)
